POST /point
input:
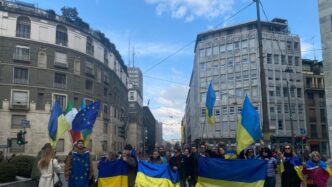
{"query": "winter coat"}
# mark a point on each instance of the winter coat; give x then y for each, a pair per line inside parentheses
(48, 174)
(316, 175)
(193, 166)
(155, 161)
(132, 170)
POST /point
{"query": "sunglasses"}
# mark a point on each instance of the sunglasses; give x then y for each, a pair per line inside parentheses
(287, 148)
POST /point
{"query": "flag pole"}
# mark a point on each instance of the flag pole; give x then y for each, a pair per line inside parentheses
(203, 129)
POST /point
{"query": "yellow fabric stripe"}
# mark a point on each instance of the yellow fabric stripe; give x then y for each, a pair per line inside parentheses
(146, 181)
(206, 182)
(118, 181)
(328, 170)
(243, 138)
(298, 170)
(210, 119)
(63, 126)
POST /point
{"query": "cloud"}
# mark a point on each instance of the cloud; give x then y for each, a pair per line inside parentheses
(308, 49)
(191, 9)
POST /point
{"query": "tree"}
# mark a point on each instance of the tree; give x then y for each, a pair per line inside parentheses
(69, 13)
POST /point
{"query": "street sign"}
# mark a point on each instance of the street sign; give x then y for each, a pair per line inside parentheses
(302, 131)
(25, 123)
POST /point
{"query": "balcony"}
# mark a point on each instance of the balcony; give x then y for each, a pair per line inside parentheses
(20, 81)
(89, 71)
(21, 57)
(60, 85)
(19, 105)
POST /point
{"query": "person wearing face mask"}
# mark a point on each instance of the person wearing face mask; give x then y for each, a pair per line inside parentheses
(266, 154)
(290, 168)
(78, 166)
(317, 171)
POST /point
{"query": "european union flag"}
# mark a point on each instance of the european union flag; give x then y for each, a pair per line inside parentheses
(86, 118)
(210, 100)
(53, 122)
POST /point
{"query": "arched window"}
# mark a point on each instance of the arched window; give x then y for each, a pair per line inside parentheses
(23, 26)
(89, 46)
(61, 35)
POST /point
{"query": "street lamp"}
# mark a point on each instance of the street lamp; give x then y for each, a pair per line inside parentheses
(289, 70)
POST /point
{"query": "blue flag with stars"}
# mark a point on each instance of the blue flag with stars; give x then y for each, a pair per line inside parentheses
(86, 118)
(80, 170)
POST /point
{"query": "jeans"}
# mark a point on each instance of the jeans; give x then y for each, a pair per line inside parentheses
(270, 182)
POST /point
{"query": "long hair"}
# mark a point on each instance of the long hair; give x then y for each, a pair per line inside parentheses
(47, 156)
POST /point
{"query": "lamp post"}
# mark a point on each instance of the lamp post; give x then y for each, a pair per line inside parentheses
(288, 70)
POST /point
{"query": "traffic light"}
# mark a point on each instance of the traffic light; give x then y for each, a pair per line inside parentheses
(21, 138)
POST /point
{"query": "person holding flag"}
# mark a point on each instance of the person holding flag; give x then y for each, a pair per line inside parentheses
(317, 171)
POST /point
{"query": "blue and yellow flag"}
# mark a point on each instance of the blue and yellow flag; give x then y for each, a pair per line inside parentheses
(156, 175)
(296, 163)
(214, 172)
(57, 124)
(113, 173)
(209, 103)
(310, 165)
(230, 154)
(248, 127)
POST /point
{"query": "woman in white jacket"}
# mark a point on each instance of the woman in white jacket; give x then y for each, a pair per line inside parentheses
(48, 167)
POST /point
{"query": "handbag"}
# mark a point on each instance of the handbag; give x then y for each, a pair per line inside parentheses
(59, 182)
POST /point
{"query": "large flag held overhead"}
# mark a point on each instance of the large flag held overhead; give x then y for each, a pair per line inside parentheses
(57, 124)
(113, 173)
(86, 118)
(210, 100)
(248, 127)
(213, 172)
(156, 175)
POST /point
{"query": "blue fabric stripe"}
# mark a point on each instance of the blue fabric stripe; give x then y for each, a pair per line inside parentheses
(158, 171)
(112, 168)
(210, 100)
(250, 120)
(232, 170)
(53, 122)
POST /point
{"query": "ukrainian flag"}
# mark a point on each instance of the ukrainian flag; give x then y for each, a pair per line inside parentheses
(150, 175)
(248, 127)
(296, 163)
(310, 166)
(209, 103)
(230, 154)
(113, 173)
(214, 172)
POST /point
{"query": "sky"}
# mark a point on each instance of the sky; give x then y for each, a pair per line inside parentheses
(163, 33)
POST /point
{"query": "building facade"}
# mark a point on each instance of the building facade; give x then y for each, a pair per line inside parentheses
(314, 94)
(43, 58)
(149, 130)
(229, 58)
(135, 110)
(325, 19)
(159, 133)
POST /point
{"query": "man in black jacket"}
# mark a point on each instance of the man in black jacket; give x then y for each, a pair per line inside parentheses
(193, 167)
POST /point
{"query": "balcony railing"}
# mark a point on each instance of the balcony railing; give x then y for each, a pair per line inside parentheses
(21, 57)
(20, 81)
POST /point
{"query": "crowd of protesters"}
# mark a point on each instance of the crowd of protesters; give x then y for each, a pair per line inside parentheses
(184, 162)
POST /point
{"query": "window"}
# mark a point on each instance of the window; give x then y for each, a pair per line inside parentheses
(202, 66)
(217, 112)
(300, 108)
(279, 109)
(23, 26)
(292, 92)
(62, 100)
(244, 44)
(297, 61)
(42, 59)
(215, 50)
(104, 146)
(231, 110)
(230, 62)
(89, 68)
(14, 147)
(236, 45)
(224, 110)
(77, 66)
(278, 91)
(89, 46)
(203, 97)
(202, 52)
(322, 116)
(272, 110)
(312, 115)
(286, 108)
(245, 74)
(60, 146)
(203, 112)
(271, 93)
(61, 35)
(40, 105)
(59, 80)
(269, 58)
(296, 45)
(88, 84)
(20, 98)
(208, 51)
(285, 90)
(280, 125)
(229, 47)
(21, 75)
(16, 121)
(289, 45)
(238, 92)
(22, 53)
(283, 60)
(105, 127)
(290, 60)
(222, 48)
(299, 92)
(324, 131)
(105, 109)
(313, 131)
(105, 91)
(276, 59)
(60, 59)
